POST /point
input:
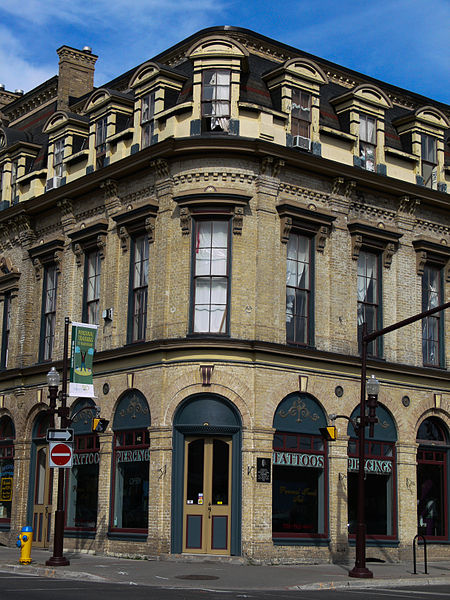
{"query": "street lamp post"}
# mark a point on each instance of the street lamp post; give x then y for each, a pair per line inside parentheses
(58, 560)
(360, 569)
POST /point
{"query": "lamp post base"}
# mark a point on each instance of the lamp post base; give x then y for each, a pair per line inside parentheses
(57, 561)
(360, 573)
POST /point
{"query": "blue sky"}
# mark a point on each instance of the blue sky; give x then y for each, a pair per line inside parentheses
(403, 42)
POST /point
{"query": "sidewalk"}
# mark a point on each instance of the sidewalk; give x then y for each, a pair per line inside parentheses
(220, 573)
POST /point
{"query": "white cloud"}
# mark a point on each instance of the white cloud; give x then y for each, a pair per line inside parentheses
(15, 71)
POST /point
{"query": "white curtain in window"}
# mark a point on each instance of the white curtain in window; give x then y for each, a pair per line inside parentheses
(365, 277)
(221, 101)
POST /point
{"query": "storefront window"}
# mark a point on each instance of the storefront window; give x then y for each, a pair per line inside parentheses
(6, 469)
(380, 478)
(82, 488)
(298, 473)
(299, 470)
(131, 471)
(432, 481)
(131, 466)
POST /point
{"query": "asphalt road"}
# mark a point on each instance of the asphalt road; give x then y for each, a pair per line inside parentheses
(19, 587)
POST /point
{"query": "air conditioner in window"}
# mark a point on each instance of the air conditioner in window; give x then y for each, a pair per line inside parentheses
(52, 183)
(301, 142)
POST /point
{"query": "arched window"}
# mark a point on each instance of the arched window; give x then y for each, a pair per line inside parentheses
(432, 479)
(299, 503)
(6, 469)
(380, 480)
(82, 478)
(131, 464)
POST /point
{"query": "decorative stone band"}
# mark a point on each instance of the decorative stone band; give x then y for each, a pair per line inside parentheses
(315, 461)
(373, 465)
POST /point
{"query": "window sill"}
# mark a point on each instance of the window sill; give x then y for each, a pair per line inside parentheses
(127, 536)
(375, 542)
(78, 157)
(79, 533)
(306, 541)
(348, 137)
(121, 135)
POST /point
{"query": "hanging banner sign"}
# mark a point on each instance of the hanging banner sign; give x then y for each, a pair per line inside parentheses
(81, 359)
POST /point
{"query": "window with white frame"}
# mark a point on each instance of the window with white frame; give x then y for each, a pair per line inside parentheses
(298, 289)
(92, 287)
(368, 296)
(301, 118)
(58, 156)
(429, 160)
(100, 141)
(6, 330)
(216, 99)
(49, 311)
(210, 276)
(139, 288)
(432, 326)
(147, 119)
(367, 141)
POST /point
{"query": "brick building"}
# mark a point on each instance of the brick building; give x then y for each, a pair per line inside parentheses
(229, 213)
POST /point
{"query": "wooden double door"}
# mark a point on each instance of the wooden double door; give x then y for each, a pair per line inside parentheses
(207, 495)
(42, 503)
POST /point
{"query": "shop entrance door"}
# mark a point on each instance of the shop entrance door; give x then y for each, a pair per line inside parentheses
(207, 495)
(42, 509)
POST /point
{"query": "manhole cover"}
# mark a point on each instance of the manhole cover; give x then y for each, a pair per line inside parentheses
(196, 577)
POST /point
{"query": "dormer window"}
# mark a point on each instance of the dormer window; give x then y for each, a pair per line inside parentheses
(301, 119)
(429, 160)
(100, 142)
(147, 119)
(367, 141)
(58, 156)
(216, 99)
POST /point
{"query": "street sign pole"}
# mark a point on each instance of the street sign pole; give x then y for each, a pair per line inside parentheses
(58, 560)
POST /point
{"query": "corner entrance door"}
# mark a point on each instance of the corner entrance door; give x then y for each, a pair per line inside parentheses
(207, 496)
(42, 509)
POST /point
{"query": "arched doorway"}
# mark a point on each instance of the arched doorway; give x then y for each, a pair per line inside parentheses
(206, 508)
(432, 479)
(82, 478)
(131, 465)
(300, 467)
(380, 477)
(41, 483)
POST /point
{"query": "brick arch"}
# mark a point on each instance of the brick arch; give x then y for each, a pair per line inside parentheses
(30, 418)
(4, 412)
(276, 395)
(223, 386)
(120, 398)
(439, 413)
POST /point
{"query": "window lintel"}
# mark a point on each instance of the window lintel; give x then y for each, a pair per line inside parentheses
(138, 221)
(430, 251)
(308, 221)
(378, 239)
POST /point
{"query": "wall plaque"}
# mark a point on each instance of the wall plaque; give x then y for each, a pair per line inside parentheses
(263, 470)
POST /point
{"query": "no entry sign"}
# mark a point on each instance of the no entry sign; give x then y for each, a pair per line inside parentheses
(61, 455)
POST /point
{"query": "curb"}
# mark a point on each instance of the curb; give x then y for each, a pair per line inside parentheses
(36, 571)
(370, 583)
